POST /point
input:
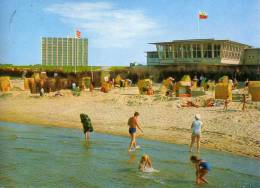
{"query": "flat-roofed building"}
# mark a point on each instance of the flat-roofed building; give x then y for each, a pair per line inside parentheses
(64, 51)
(252, 56)
(207, 51)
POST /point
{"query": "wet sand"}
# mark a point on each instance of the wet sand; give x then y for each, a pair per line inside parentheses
(232, 131)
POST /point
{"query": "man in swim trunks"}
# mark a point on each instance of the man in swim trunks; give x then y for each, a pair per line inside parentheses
(196, 132)
(202, 168)
(133, 124)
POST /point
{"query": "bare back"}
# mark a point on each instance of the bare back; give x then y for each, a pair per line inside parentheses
(132, 122)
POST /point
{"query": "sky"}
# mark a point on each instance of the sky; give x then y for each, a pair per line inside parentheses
(119, 31)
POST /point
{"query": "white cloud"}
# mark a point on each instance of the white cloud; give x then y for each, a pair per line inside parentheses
(105, 24)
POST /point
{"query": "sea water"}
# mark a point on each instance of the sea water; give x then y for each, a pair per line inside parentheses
(35, 156)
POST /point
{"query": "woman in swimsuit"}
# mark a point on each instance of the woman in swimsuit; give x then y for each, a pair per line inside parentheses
(202, 168)
(133, 124)
(196, 132)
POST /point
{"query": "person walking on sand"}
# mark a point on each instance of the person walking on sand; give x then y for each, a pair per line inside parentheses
(42, 92)
(202, 168)
(91, 86)
(133, 124)
(244, 102)
(226, 101)
(196, 132)
(87, 126)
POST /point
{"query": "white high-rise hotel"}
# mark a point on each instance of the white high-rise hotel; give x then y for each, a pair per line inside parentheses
(64, 51)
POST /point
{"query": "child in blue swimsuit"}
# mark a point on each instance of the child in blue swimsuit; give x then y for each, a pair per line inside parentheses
(202, 168)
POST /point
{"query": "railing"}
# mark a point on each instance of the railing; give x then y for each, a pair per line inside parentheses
(164, 61)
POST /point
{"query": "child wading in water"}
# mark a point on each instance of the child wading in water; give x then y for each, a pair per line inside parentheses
(202, 168)
(145, 163)
(133, 123)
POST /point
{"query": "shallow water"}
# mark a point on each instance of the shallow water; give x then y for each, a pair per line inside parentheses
(34, 156)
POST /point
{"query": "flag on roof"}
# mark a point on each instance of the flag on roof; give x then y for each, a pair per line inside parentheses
(203, 15)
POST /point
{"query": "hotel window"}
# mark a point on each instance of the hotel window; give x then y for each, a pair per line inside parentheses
(207, 50)
(160, 51)
(238, 55)
(54, 51)
(152, 55)
(64, 51)
(196, 50)
(168, 51)
(216, 51)
(186, 51)
(69, 43)
(160, 48)
(177, 52)
(59, 51)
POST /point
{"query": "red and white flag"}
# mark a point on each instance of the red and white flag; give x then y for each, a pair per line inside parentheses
(203, 15)
(78, 33)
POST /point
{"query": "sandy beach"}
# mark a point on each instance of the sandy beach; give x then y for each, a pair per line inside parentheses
(231, 131)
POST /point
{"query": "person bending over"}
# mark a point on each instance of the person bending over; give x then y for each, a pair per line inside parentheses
(145, 163)
(202, 168)
(87, 126)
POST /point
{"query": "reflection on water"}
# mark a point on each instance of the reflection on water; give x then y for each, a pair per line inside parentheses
(132, 157)
(33, 156)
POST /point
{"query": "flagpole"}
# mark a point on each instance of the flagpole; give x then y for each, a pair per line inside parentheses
(198, 25)
(91, 72)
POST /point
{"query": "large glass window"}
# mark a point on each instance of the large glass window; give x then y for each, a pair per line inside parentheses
(160, 51)
(196, 50)
(216, 51)
(186, 51)
(168, 51)
(177, 51)
(207, 51)
(152, 55)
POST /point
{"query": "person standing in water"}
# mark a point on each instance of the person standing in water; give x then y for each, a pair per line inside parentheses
(196, 132)
(87, 126)
(202, 168)
(133, 124)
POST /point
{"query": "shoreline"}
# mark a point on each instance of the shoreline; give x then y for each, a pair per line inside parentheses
(232, 131)
(118, 133)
